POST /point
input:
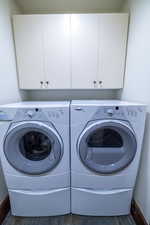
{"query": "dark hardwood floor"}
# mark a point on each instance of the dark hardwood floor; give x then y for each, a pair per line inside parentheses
(69, 220)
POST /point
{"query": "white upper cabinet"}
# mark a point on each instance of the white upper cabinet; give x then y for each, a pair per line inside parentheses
(98, 50)
(57, 43)
(29, 51)
(113, 29)
(84, 50)
(79, 51)
(43, 51)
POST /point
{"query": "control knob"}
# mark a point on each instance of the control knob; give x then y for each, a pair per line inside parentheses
(110, 112)
(30, 113)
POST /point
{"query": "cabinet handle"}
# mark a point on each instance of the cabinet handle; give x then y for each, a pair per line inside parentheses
(47, 83)
(41, 82)
(94, 82)
(100, 83)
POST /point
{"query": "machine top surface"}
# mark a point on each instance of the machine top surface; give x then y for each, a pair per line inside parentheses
(31, 104)
(105, 103)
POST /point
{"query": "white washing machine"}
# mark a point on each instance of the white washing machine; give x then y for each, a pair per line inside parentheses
(34, 152)
(106, 141)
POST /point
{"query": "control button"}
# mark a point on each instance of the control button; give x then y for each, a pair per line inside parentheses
(110, 112)
(30, 113)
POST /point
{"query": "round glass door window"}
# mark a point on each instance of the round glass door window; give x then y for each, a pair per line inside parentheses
(107, 147)
(33, 147)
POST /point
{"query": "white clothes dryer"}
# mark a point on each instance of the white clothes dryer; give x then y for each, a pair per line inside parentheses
(106, 142)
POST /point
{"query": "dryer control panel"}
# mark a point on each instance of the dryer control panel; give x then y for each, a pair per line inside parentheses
(117, 112)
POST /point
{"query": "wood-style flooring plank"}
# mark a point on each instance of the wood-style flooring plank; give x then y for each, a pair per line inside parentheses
(69, 220)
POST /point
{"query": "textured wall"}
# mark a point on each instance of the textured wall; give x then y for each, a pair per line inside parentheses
(137, 87)
(45, 6)
(55, 95)
(8, 78)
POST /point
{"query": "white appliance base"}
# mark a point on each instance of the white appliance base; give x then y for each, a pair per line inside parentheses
(37, 183)
(122, 180)
(101, 203)
(37, 204)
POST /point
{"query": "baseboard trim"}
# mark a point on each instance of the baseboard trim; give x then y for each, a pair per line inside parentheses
(137, 214)
(4, 209)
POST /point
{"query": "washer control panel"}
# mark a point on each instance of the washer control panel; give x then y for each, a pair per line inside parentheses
(3, 115)
(7, 115)
(37, 113)
(40, 114)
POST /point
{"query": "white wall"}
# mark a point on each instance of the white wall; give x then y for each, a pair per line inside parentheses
(137, 87)
(47, 6)
(8, 77)
(55, 95)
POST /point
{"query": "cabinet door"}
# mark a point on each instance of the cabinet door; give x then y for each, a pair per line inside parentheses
(84, 29)
(112, 50)
(57, 44)
(29, 50)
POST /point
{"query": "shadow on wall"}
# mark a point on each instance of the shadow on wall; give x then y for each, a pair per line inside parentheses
(143, 184)
(56, 95)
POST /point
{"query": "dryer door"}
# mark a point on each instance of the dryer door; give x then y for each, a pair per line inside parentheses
(33, 147)
(107, 147)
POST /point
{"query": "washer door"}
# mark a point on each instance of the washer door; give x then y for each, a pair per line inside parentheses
(107, 147)
(33, 147)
